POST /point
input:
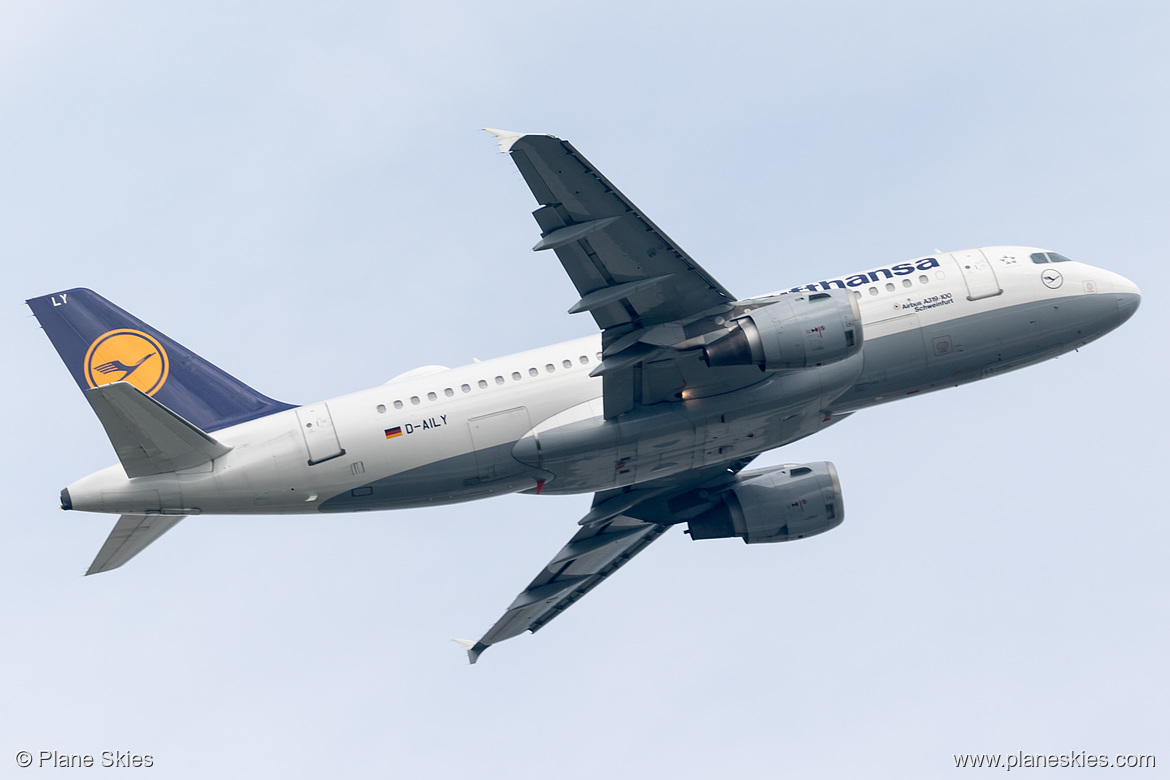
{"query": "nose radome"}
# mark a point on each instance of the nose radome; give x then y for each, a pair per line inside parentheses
(1128, 297)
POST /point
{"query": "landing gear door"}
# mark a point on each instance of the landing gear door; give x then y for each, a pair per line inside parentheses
(978, 273)
(320, 435)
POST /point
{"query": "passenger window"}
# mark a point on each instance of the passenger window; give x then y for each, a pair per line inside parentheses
(465, 388)
(873, 291)
(550, 368)
(414, 400)
(499, 380)
(907, 283)
(1039, 257)
(381, 408)
(889, 286)
(599, 356)
(567, 363)
(432, 397)
(515, 376)
(482, 384)
(448, 392)
(397, 404)
(532, 372)
(923, 279)
(583, 360)
(857, 294)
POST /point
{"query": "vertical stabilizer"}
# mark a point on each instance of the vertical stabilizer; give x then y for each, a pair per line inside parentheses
(102, 344)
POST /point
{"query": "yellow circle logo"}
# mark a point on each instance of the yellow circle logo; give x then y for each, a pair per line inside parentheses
(127, 356)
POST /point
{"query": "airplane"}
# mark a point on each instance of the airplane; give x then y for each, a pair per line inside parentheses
(658, 415)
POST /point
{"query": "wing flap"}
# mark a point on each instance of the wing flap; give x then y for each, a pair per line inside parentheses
(148, 437)
(131, 535)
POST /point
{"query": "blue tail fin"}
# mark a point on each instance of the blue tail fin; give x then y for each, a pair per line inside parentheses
(101, 344)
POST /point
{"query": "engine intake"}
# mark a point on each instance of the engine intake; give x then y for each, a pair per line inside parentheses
(797, 331)
(775, 505)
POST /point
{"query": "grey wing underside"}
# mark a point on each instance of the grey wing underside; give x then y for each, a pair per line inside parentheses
(646, 294)
(620, 525)
(581, 565)
(625, 268)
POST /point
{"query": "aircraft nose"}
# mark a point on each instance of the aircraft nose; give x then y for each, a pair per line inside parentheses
(1128, 297)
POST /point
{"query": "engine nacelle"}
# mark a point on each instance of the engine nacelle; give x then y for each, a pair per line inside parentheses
(797, 331)
(776, 505)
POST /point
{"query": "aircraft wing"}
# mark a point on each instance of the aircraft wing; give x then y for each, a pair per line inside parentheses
(620, 525)
(625, 268)
(642, 289)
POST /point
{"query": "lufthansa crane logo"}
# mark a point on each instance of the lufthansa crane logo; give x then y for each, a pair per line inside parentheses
(127, 356)
(1051, 278)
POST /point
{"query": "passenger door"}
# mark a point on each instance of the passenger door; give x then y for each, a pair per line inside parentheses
(320, 435)
(978, 273)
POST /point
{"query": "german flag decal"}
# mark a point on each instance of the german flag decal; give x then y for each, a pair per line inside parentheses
(393, 433)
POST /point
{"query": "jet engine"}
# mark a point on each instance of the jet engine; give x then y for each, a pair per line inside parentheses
(797, 331)
(776, 505)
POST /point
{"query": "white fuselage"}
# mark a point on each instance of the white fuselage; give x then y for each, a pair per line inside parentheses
(533, 421)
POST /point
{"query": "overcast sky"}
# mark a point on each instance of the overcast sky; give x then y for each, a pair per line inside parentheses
(302, 195)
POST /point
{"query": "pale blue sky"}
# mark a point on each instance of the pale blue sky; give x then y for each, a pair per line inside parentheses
(302, 195)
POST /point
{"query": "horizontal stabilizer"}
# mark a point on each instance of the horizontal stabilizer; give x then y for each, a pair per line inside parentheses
(148, 437)
(131, 535)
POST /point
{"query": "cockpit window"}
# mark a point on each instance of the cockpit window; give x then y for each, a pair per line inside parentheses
(1049, 257)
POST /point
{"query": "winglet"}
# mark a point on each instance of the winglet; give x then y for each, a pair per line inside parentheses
(473, 648)
(505, 138)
